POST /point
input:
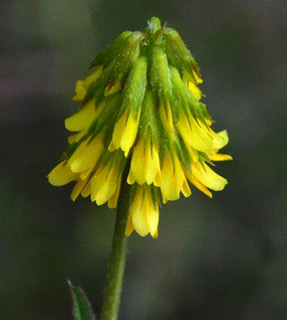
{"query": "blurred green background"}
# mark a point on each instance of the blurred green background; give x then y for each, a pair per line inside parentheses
(224, 258)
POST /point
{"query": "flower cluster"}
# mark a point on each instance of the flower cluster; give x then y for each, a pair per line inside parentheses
(141, 107)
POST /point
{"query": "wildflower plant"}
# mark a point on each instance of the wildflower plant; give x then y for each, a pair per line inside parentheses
(141, 131)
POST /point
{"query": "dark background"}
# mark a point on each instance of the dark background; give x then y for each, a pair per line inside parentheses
(223, 258)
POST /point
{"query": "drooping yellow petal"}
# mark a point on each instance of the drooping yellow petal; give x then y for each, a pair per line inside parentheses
(138, 213)
(125, 133)
(117, 133)
(153, 173)
(196, 77)
(112, 202)
(130, 228)
(79, 186)
(83, 118)
(220, 157)
(129, 134)
(152, 216)
(87, 190)
(146, 153)
(144, 214)
(208, 177)
(103, 185)
(131, 179)
(173, 180)
(76, 137)
(85, 174)
(116, 87)
(220, 139)
(82, 85)
(137, 170)
(166, 118)
(87, 155)
(80, 91)
(61, 175)
(193, 153)
(199, 185)
(93, 76)
(194, 90)
(194, 135)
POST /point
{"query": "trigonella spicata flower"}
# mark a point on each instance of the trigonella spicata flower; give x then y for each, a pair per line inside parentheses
(141, 107)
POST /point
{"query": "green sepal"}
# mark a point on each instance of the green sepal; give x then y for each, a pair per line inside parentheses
(160, 75)
(182, 153)
(154, 24)
(107, 116)
(178, 55)
(166, 144)
(135, 87)
(121, 164)
(180, 93)
(203, 156)
(129, 53)
(71, 149)
(117, 160)
(105, 56)
(112, 159)
(97, 87)
(149, 121)
(154, 195)
(82, 309)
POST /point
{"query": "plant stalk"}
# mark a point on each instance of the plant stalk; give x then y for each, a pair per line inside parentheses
(117, 262)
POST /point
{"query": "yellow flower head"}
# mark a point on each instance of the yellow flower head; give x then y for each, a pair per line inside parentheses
(140, 107)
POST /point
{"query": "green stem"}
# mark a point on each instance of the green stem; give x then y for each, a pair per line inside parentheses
(118, 257)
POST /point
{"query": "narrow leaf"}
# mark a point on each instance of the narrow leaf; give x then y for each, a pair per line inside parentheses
(82, 309)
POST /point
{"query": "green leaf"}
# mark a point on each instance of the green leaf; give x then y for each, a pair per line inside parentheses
(82, 309)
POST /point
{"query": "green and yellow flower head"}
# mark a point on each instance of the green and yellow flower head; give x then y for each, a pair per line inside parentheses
(140, 107)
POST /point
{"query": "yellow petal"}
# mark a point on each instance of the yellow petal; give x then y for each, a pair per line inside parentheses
(117, 133)
(144, 214)
(166, 118)
(76, 137)
(61, 175)
(152, 216)
(93, 76)
(136, 211)
(197, 78)
(131, 178)
(194, 135)
(137, 170)
(208, 177)
(193, 153)
(79, 186)
(87, 190)
(164, 200)
(112, 202)
(125, 133)
(173, 180)
(129, 134)
(220, 139)
(87, 155)
(186, 189)
(80, 91)
(85, 174)
(152, 164)
(200, 186)
(146, 153)
(194, 90)
(103, 185)
(130, 227)
(220, 157)
(116, 87)
(83, 118)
